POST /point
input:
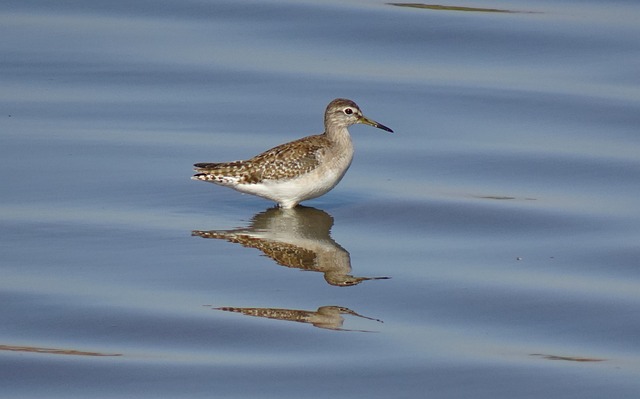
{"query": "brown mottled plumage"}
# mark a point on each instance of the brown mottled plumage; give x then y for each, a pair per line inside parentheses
(299, 170)
(282, 162)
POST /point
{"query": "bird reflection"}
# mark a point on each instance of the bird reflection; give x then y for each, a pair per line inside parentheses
(297, 238)
(327, 317)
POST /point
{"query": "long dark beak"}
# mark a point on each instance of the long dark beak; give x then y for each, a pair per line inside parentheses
(366, 121)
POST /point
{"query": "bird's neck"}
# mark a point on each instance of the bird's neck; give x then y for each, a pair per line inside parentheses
(339, 135)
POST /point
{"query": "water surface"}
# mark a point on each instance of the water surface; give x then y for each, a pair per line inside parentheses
(488, 249)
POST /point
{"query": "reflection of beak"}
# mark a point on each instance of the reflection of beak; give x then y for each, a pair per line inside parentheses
(366, 121)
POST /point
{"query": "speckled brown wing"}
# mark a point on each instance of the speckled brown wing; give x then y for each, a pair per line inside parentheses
(283, 162)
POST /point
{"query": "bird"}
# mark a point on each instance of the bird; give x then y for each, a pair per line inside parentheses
(298, 238)
(299, 170)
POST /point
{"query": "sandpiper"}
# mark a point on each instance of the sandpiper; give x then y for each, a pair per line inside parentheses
(299, 170)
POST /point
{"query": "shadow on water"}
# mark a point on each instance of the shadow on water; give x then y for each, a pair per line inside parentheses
(327, 317)
(53, 351)
(567, 358)
(296, 238)
(439, 7)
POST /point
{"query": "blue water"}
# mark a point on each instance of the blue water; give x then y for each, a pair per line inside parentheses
(487, 249)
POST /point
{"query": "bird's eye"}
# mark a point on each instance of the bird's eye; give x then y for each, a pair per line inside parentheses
(348, 111)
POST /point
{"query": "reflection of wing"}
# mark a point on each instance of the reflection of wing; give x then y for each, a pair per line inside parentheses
(301, 316)
(284, 254)
(296, 238)
(327, 317)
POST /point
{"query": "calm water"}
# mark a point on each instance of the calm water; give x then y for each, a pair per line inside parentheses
(487, 249)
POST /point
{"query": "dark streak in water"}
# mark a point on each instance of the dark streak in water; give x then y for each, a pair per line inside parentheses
(503, 197)
(456, 8)
(567, 358)
(53, 351)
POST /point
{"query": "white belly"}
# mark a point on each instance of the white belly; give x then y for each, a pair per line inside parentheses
(288, 193)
